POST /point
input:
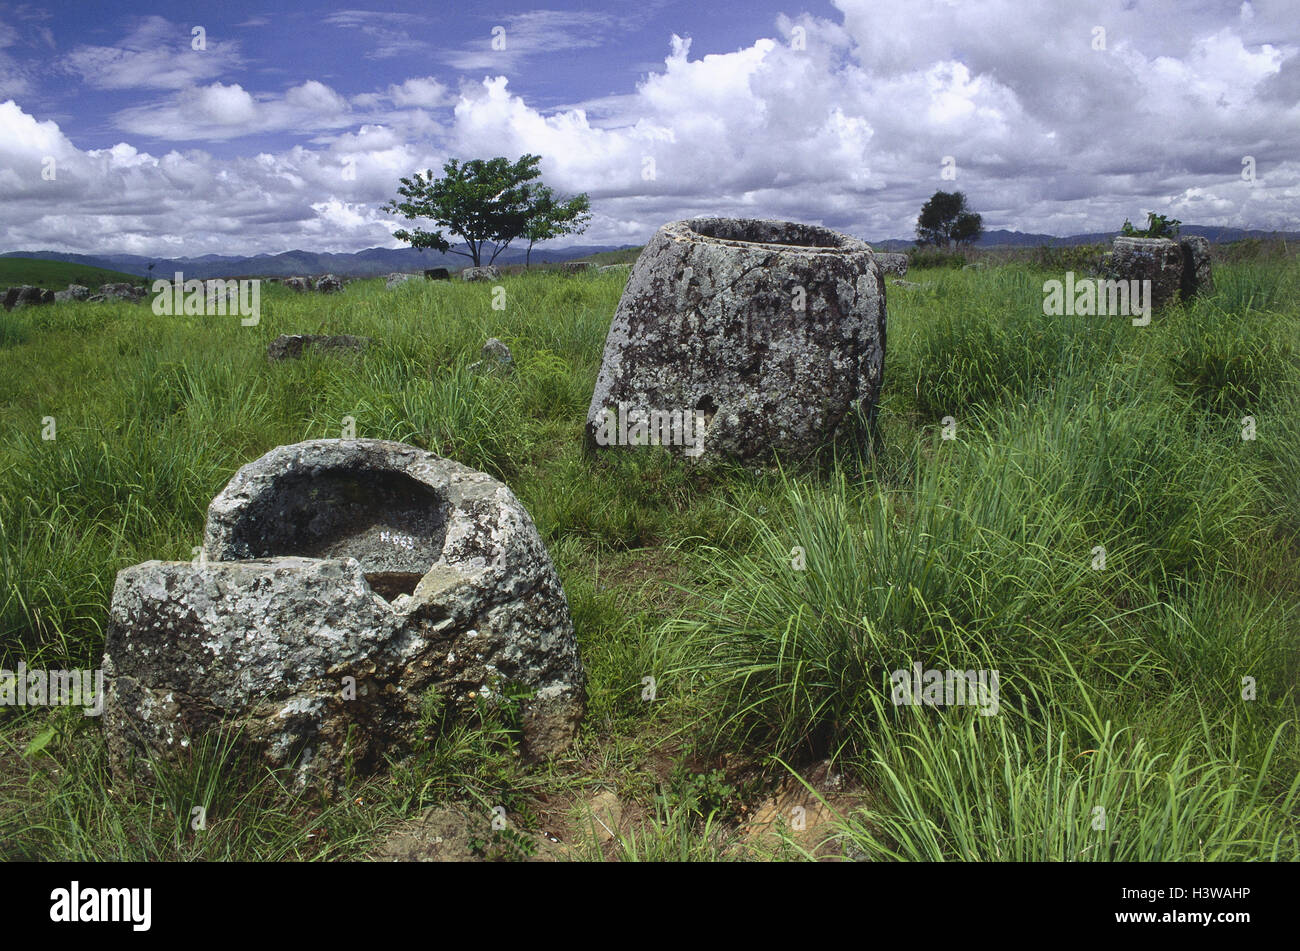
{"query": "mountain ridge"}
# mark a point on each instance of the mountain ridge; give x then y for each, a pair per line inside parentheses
(370, 262)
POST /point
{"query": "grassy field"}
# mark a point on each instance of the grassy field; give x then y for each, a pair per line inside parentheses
(56, 275)
(1148, 705)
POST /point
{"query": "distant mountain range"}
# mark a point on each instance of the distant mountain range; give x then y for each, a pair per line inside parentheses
(1019, 239)
(366, 263)
(375, 261)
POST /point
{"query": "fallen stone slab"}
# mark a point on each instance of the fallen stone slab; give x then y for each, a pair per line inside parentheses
(741, 338)
(397, 280)
(892, 263)
(487, 273)
(328, 284)
(300, 284)
(576, 267)
(496, 356)
(292, 346)
(122, 291)
(341, 581)
(27, 296)
(73, 292)
(437, 274)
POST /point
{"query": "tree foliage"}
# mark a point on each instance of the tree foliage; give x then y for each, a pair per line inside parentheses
(1158, 226)
(553, 218)
(487, 203)
(945, 219)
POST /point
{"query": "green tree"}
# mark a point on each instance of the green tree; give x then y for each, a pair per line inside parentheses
(553, 218)
(946, 219)
(1158, 226)
(483, 202)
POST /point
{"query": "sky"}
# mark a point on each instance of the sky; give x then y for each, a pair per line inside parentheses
(250, 127)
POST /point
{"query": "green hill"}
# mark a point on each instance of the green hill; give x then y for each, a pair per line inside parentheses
(56, 275)
(625, 256)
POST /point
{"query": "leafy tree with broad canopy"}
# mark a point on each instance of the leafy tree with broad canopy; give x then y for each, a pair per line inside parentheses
(485, 202)
(945, 219)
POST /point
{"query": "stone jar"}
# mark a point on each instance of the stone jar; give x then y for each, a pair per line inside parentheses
(741, 339)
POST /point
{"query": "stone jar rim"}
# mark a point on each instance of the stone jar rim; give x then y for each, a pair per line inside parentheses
(1145, 239)
(767, 234)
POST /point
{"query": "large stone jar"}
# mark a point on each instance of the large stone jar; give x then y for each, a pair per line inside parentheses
(741, 339)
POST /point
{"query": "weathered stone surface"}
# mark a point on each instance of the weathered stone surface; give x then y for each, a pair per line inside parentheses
(437, 274)
(710, 326)
(397, 280)
(300, 284)
(122, 291)
(73, 292)
(1197, 276)
(892, 263)
(496, 356)
(291, 346)
(487, 273)
(576, 267)
(1158, 260)
(328, 284)
(27, 296)
(615, 267)
(337, 559)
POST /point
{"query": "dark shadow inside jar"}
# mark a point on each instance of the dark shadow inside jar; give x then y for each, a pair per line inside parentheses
(756, 231)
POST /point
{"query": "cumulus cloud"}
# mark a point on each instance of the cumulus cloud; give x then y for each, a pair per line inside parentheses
(1060, 121)
(424, 92)
(221, 112)
(855, 122)
(189, 202)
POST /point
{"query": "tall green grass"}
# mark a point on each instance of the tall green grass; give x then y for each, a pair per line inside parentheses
(1123, 687)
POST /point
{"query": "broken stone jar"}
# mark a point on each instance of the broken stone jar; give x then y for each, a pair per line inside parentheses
(340, 582)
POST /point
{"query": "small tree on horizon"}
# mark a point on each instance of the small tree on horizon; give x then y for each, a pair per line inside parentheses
(946, 219)
(483, 202)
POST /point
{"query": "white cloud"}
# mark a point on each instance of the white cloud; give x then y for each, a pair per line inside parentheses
(220, 112)
(520, 36)
(156, 55)
(1047, 133)
(425, 92)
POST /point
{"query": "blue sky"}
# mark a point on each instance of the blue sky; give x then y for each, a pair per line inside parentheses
(290, 128)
